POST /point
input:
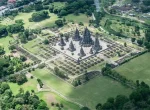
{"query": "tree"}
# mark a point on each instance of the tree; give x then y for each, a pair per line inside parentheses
(2, 51)
(146, 2)
(120, 101)
(39, 16)
(38, 6)
(84, 108)
(15, 28)
(3, 31)
(133, 39)
(140, 42)
(63, 13)
(59, 23)
(98, 106)
(46, 42)
(23, 58)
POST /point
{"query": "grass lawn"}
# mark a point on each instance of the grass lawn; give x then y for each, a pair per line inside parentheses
(31, 84)
(77, 19)
(95, 91)
(32, 46)
(4, 42)
(58, 5)
(97, 67)
(137, 69)
(25, 17)
(50, 97)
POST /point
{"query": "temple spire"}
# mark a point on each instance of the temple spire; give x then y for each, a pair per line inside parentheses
(96, 46)
(76, 36)
(71, 47)
(87, 40)
(62, 43)
(82, 53)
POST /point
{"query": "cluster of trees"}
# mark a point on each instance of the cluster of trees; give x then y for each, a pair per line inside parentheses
(146, 2)
(8, 65)
(25, 36)
(75, 6)
(40, 83)
(21, 101)
(14, 28)
(5, 67)
(139, 99)
(3, 2)
(147, 37)
(3, 31)
(136, 1)
(20, 3)
(17, 78)
(28, 35)
(39, 16)
(107, 3)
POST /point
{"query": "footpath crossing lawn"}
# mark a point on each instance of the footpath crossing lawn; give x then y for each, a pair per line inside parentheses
(137, 69)
(95, 91)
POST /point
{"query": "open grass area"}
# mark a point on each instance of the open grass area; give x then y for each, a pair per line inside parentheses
(4, 42)
(95, 91)
(58, 5)
(32, 46)
(50, 97)
(77, 19)
(50, 22)
(97, 67)
(31, 84)
(137, 69)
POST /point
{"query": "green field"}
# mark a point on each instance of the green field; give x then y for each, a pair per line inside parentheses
(50, 22)
(95, 91)
(77, 19)
(28, 86)
(137, 69)
(50, 97)
(32, 46)
(4, 42)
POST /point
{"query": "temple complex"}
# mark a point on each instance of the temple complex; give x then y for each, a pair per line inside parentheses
(80, 46)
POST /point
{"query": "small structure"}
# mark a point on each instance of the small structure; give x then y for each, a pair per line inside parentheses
(76, 36)
(91, 51)
(96, 47)
(71, 47)
(82, 53)
(62, 43)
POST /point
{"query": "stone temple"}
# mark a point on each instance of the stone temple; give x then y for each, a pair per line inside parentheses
(80, 46)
